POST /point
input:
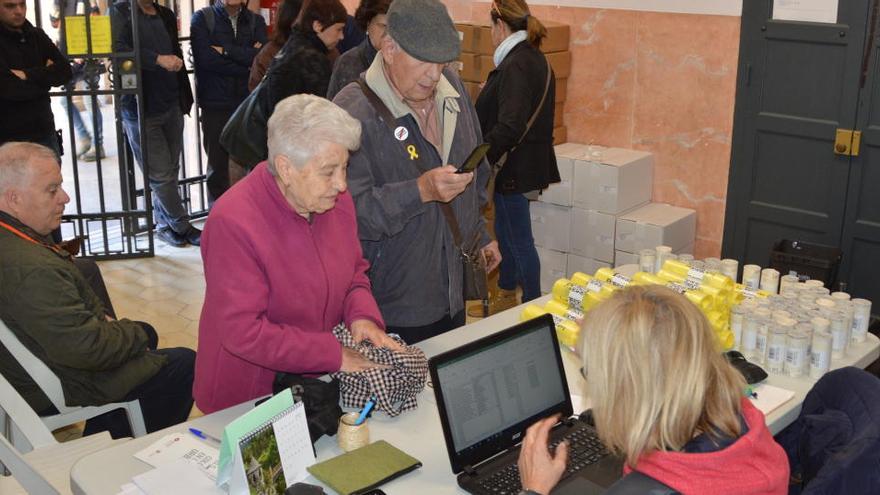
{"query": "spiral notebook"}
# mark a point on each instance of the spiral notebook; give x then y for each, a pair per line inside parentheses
(267, 449)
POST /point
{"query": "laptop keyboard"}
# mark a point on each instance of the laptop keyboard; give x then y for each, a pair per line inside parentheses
(584, 449)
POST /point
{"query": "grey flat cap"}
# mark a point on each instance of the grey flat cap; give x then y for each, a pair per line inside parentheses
(424, 30)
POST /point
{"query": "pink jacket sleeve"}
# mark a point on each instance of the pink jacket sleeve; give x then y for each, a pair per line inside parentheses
(236, 302)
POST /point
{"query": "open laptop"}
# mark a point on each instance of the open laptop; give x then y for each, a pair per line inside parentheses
(491, 390)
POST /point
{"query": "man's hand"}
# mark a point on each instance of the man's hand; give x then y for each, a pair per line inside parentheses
(49, 62)
(442, 184)
(258, 45)
(171, 63)
(538, 470)
(353, 361)
(19, 74)
(367, 330)
(491, 256)
(218, 49)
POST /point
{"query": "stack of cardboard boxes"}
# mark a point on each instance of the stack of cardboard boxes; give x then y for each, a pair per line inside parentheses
(600, 214)
(476, 62)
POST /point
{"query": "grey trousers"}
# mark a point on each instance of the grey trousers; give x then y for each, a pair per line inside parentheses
(163, 137)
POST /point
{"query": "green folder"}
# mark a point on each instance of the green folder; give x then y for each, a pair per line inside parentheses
(364, 469)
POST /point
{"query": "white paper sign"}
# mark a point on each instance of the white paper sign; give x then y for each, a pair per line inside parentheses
(805, 10)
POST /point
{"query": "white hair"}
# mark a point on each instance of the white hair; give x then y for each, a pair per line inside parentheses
(16, 159)
(302, 124)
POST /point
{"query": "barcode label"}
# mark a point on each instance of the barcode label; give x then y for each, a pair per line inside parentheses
(775, 353)
(749, 293)
(691, 284)
(557, 320)
(576, 296)
(574, 315)
(594, 286)
(696, 274)
(619, 280)
(761, 343)
(677, 287)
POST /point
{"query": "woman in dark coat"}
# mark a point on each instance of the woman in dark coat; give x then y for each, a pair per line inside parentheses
(288, 11)
(513, 92)
(303, 65)
(371, 16)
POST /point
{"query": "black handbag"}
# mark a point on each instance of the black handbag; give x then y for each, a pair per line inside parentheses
(321, 400)
(245, 134)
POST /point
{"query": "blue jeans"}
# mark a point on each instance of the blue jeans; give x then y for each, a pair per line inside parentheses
(164, 140)
(96, 119)
(519, 258)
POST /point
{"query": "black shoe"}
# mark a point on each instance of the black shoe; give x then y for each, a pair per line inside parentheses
(193, 236)
(170, 237)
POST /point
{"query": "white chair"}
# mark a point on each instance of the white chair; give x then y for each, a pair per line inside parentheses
(50, 384)
(46, 468)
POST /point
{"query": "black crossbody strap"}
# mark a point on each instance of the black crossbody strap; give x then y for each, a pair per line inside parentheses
(532, 120)
(388, 118)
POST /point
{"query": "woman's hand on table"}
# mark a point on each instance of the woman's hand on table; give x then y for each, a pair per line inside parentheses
(367, 330)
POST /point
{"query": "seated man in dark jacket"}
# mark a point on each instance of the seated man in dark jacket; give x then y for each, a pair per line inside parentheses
(47, 303)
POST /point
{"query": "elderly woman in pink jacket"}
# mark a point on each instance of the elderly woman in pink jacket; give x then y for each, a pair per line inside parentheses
(283, 263)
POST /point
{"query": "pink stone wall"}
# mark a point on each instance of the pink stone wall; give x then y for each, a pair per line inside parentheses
(659, 82)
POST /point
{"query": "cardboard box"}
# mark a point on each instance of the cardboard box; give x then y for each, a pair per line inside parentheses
(592, 234)
(558, 112)
(656, 224)
(557, 39)
(560, 135)
(623, 258)
(554, 265)
(561, 63)
(560, 193)
(467, 33)
(483, 40)
(586, 265)
(612, 180)
(475, 67)
(473, 89)
(561, 88)
(551, 225)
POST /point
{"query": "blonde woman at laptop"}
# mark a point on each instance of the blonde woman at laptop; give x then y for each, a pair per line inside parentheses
(666, 400)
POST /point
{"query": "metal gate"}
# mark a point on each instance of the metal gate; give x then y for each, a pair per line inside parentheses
(110, 207)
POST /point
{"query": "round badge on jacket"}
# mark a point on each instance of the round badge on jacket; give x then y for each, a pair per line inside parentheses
(401, 133)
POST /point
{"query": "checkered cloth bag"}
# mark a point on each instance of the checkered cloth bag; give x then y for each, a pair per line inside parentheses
(395, 388)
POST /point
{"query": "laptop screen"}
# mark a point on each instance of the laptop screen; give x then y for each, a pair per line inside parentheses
(491, 390)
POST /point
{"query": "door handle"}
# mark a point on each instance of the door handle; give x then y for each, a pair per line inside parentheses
(847, 141)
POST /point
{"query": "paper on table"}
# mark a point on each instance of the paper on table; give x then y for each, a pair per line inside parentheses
(130, 489)
(174, 478)
(770, 397)
(181, 446)
(805, 10)
(294, 444)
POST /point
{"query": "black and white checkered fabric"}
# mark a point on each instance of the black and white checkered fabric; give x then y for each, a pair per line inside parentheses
(395, 388)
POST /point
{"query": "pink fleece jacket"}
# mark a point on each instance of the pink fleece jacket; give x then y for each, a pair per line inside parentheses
(276, 286)
(755, 464)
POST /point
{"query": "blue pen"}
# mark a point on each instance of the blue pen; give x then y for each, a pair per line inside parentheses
(366, 410)
(203, 435)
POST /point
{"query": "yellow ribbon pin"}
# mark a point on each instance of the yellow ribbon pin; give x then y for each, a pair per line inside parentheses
(413, 154)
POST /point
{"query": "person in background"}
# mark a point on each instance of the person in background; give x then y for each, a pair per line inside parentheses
(665, 400)
(30, 65)
(354, 34)
(90, 147)
(514, 91)
(167, 96)
(401, 175)
(50, 306)
(371, 17)
(283, 264)
(225, 37)
(287, 13)
(302, 65)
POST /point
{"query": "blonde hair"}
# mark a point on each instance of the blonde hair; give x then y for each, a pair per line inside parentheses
(516, 14)
(655, 373)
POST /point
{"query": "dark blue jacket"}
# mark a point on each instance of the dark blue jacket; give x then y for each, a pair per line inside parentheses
(834, 446)
(222, 80)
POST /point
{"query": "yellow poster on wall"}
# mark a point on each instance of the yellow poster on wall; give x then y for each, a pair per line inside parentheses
(75, 34)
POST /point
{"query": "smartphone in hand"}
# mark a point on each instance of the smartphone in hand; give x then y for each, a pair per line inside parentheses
(473, 161)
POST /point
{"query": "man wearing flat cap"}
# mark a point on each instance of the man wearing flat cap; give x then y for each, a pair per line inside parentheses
(418, 126)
